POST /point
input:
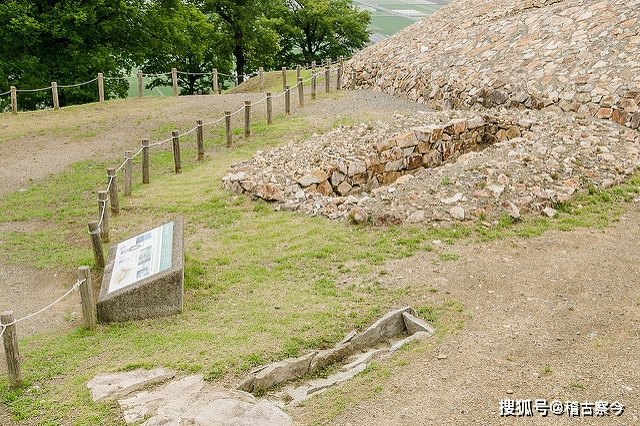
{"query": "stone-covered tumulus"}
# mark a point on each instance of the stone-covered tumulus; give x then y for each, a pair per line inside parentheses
(525, 103)
(570, 55)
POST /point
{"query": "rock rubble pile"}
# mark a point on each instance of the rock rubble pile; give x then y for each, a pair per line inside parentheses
(534, 101)
(534, 159)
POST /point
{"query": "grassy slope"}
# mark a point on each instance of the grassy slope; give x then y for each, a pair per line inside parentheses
(259, 285)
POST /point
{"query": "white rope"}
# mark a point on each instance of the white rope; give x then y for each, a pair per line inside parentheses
(32, 90)
(72, 289)
(5, 93)
(213, 122)
(104, 207)
(238, 111)
(156, 75)
(188, 132)
(124, 163)
(260, 101)
(161, 142)
(79, 84)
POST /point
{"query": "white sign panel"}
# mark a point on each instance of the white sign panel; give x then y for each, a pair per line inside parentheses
(142, 256)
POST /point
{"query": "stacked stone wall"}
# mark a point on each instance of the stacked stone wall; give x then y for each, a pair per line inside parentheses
(389, 159)
(580, 56)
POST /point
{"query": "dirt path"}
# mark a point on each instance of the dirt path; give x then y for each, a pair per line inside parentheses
(555, 317)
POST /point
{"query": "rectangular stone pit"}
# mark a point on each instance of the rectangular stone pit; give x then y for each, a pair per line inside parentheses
(144, 276)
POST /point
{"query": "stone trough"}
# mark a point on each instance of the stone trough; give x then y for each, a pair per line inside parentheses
(386, 335)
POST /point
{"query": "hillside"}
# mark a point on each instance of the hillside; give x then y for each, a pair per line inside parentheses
(568, 55)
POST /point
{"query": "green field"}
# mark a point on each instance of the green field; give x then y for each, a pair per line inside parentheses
(389, 17)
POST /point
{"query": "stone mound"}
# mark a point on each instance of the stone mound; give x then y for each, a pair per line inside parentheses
(534, 101)
(568, 55)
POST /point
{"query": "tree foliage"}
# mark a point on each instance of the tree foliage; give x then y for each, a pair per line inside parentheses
(312, 30)
(180, 36)
(69, 42)
(248, 25)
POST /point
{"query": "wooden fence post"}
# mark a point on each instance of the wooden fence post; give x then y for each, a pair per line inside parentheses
(287, 101)
(174, 81)
(314, 84)
(96, 244)
(300, 92)
(128, 173)
(227, 121)
(298, 70)
(284, 78)
(101, 87)
(353, 79)
(10, 339)
(86, 296)
(112, 181)
(216, 89)
(54, 94)
(103, 216)
(247, 119)
(261, 78)
(339, 75)
(175, 135)
(145, 160)
(14, 100)
(200, 139)
(140, 85)
(327, 79)
(269, 108)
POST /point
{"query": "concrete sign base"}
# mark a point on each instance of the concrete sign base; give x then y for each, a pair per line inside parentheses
(144, 276)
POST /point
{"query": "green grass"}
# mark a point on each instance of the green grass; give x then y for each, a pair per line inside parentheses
(259, 285)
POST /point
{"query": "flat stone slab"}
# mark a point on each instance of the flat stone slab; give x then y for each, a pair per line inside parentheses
(144, 276)
(184, 402)
(112, 386)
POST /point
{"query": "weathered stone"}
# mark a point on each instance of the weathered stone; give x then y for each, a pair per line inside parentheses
(604, 113)
(281, 372)
(112, 386)
(392, 154)
(432, 158)
(343, 188)
(325, 188)
(406, 140)
(394, 166)
(337, 178)
(457, 212)
(315, 176)
(385, 144)
(414, 162)
(390, 177)
(550, 212)
(511, 209)
(423, 147)
(388, 326)
(412, 338)
(416, 217)
(454, 199)
(358, 215)
(414, 324)
(356, 167)
(620, 116)
(269, 192)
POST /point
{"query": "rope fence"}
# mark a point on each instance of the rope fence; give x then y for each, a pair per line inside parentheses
(99, 230)
(174, 73)
(8, 324)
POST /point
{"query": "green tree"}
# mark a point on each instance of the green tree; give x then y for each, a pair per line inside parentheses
(248, 26)
(69, 42)
(312, 30)
(180, 36)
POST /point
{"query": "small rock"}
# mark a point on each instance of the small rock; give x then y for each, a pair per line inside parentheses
(358, 215)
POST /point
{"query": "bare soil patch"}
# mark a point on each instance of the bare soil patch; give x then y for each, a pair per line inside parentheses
(555, 317)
